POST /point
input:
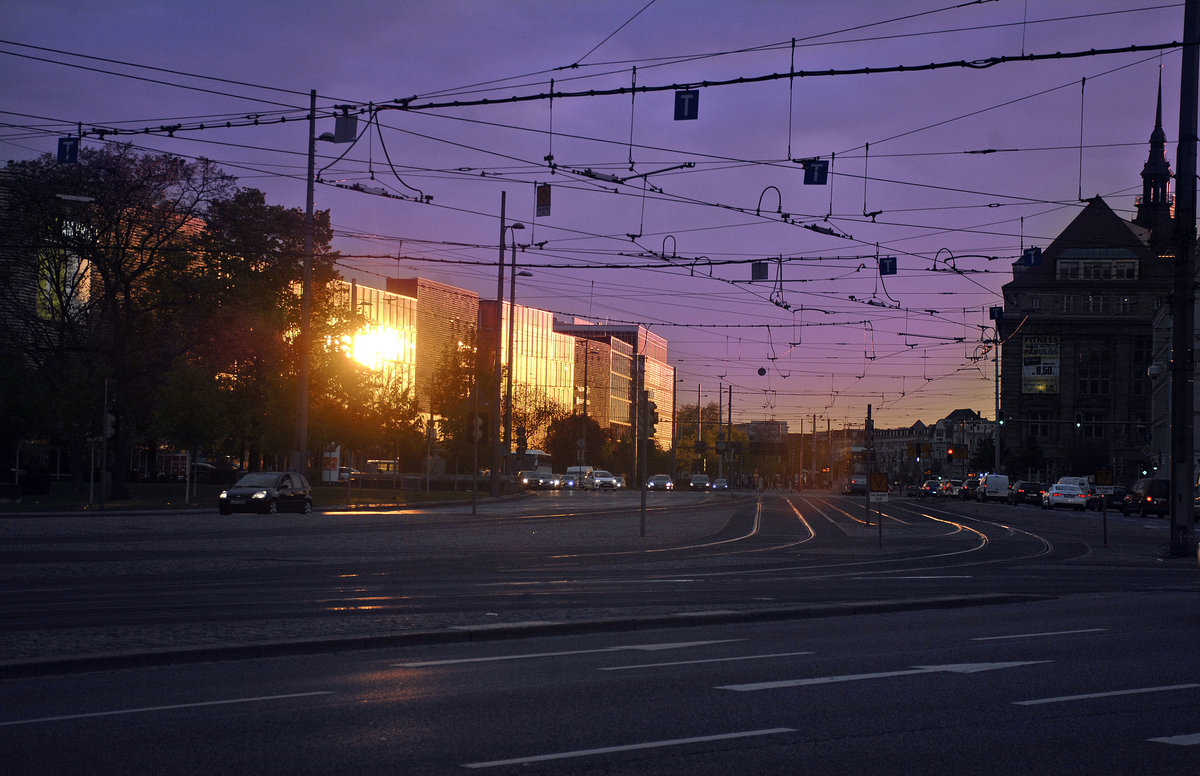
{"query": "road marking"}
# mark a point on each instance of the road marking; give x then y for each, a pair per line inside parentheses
(1089, 696)
(709, 660)
(628, 748)
(164, 708)
(956, 668)
(927, 576)
(1037, 635)
(535, 655)
(1191, 740)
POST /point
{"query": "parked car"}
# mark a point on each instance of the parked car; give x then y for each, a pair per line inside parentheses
(1025, 492)
(267, 493)
(1148, 496)
(660, 482)
(720, 484)
(968, 488)
(1059, 495)
(599, 479)
(699, 482)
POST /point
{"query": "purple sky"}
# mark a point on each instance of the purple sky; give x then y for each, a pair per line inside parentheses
(831, 335)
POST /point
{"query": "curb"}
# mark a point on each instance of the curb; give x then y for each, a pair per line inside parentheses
(111, 661)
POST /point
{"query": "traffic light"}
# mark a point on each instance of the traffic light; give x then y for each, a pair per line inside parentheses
(1000, 417)
(522, 442)
(1078, 420)
(651, 419)
(476, 426)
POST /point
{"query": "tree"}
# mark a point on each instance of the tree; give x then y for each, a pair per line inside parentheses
(563, 435)
(108, 244)
(251, 261)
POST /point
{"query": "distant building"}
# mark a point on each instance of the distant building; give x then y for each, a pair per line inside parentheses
(611, 387)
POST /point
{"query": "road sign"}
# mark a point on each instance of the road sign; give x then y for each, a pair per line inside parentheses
(687, 104)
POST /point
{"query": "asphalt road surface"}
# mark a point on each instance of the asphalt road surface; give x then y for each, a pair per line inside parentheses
(567, 633)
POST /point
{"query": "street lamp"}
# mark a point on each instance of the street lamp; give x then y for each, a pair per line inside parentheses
(512, 305)
(300, 455)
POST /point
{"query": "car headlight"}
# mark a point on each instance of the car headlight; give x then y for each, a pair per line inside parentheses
(224, 495)
(259, 494)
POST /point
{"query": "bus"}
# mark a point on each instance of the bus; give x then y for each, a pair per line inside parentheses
(532, 461)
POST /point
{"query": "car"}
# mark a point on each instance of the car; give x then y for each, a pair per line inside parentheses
(992, 486)
(930, 488)
(1025, 492)
(534, 480)
(660, 482)
(1148, 496)
(599, 479)
(1111, 500)
(950, 487)
(720, 484)
(348, 473)
(969, 486)
(267, 493)
(620, 480)
(1059, 495)
(699, 482)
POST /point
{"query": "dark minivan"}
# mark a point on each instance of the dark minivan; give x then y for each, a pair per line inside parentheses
(1148, 496)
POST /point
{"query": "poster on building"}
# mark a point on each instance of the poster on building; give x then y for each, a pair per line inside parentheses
(1039, 363)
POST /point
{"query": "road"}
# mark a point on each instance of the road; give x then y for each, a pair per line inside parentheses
(1080, 685)
(754, 633)
(83, 585)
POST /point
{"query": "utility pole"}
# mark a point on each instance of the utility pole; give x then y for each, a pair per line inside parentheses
(1183, 360)
(300, 455)
(494, 415)
(868, 459)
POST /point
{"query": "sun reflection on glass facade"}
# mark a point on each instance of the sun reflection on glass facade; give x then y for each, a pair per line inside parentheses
(388, 342)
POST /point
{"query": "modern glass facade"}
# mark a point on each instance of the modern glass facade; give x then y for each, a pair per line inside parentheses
(544, 360)
(388, 342)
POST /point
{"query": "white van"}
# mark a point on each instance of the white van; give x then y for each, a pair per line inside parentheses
(574, 476)
(992, 486)
(1079, 482)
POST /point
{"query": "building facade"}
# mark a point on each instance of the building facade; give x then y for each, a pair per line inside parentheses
(1077, 334)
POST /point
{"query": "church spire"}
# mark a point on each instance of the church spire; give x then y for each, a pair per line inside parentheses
(1154, 207)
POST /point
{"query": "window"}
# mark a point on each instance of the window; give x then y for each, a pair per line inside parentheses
(1038, 426)
(1096, 269)
(1093, 425)
(1095, 372)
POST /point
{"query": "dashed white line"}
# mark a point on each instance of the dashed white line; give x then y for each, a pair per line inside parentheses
(1188, 740)
(536, 655)
(628, 748)
(709, 660)
(1113, 693)
(1038, 635)
(163, 708)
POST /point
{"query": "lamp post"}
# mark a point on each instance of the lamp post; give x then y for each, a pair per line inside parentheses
(512, 304)
(300, 455)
